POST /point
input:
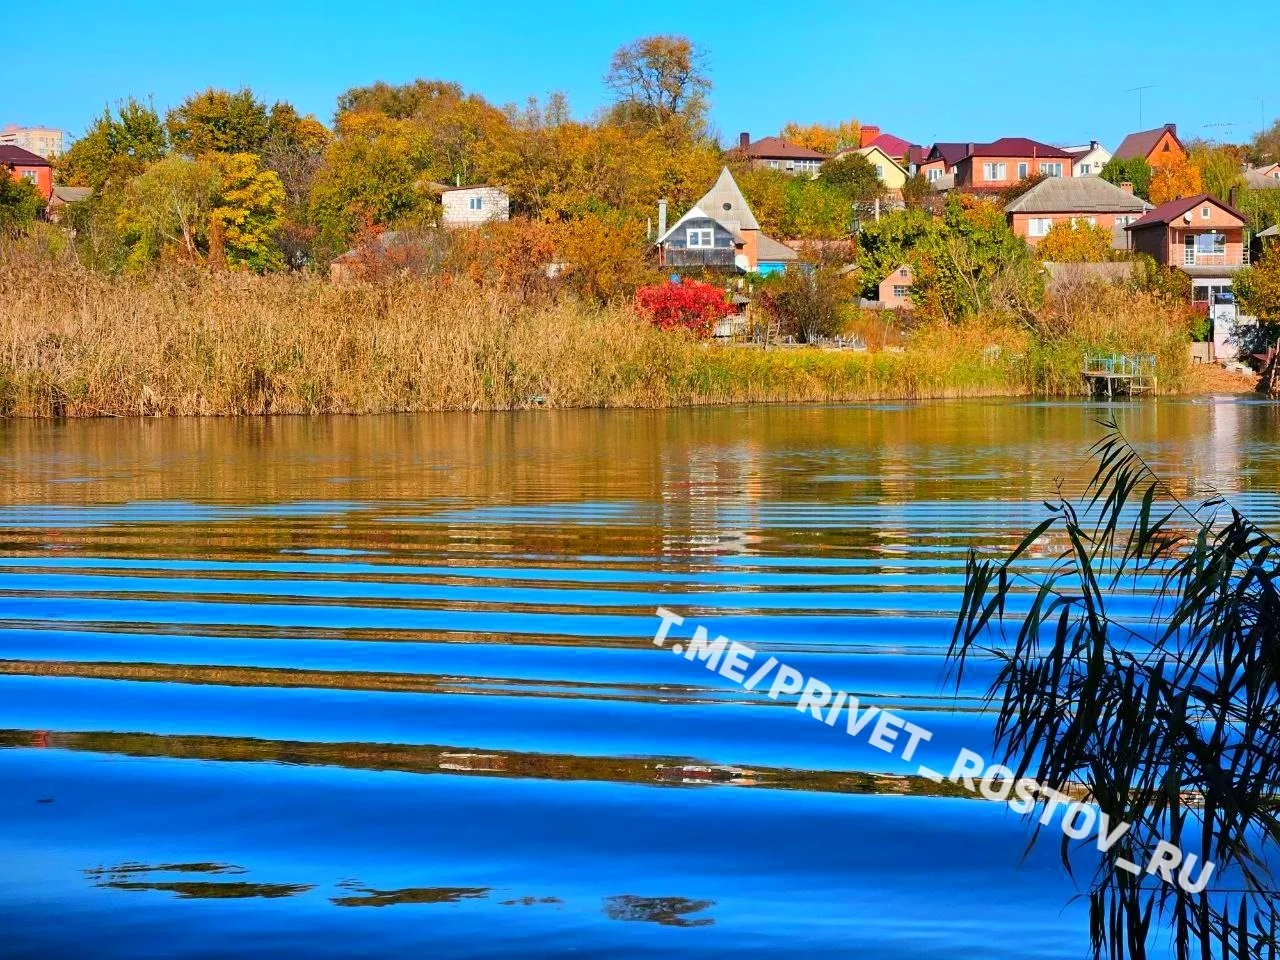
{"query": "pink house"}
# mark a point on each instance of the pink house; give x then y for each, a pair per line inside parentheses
(895, 289)
(1199, 235)
(1076, 200)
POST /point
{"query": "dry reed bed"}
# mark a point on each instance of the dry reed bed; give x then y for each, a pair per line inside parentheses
(74, 342)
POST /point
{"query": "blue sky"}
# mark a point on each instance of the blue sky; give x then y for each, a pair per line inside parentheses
(924, 73)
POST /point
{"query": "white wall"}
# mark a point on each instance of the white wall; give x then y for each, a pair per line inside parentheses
(494, 205)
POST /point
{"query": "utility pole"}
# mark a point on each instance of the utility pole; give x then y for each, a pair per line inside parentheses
(1138, 91)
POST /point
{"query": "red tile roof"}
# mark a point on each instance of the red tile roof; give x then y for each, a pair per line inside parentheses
(775, 148)
(1171, 211)
(1018, 147)
(895, 147)
(17, 157)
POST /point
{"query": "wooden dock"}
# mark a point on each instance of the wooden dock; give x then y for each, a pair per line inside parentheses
(1120, 375)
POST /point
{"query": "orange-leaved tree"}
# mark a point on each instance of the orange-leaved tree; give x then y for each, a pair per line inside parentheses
(1068, 242)
(1174, 179)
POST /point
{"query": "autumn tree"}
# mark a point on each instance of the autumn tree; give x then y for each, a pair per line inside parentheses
(825, 139)
(1174, 179)
(888, 243)
(810, 300)
(1068, 242)
(686, 305)
(1265, 145)
(661, 82)
(1135, 170)
(248, 212)
(116, 147)
(218, 121)
(604, 256)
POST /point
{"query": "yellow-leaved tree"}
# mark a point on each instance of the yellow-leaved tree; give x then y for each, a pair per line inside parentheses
(824, 139)
(1075, 243)
(250, 207)
(1174, 179)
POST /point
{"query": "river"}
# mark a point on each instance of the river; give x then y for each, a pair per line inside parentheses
(385, 686)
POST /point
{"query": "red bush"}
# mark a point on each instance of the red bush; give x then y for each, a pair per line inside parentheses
(687, 305)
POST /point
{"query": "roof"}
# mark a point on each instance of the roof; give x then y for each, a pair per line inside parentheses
(1256, 180)
(17, 157)
(1141, 144)
(1077, 195)
(1171, 211)
(1271, 231)
(916, 154)
(472, 186)
(948, 153)
(775, 148)
(1017, 147)
(876, 148)
(723, 203)
(895, 147)
(769, 249)
(71, 194)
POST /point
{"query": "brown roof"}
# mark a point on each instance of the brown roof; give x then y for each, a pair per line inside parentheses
(770, 249)
(1142, 143)
(775, 148)
(17, 157)
(1171, 211)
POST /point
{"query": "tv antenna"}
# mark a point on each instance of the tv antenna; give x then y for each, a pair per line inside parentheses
(1138, 91)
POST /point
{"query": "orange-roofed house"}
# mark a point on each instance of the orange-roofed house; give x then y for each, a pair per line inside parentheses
(25, 165)
(1158, 147)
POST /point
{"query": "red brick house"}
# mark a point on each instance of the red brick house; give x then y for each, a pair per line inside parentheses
(25, 165)
(1004, 162)
(940, 160)
(774, 153)
(1157, 147)
(1199, 235)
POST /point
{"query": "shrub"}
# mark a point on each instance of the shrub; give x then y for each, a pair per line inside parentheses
(687, 305)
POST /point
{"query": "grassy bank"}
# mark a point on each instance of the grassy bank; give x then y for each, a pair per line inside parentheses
(74, 342)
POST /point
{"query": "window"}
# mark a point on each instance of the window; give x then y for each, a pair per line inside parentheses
(1084, 169)
(29, 176)
(935, 174)
(1209, 243)
(900, 291)
(994, 171)
(1091, 221)
(1039, 226)
(773, 164)
(1051, 169)
(1124, 220)
(1205, 212)
(880, 170)
(700, 238)
(475, 203)
(904, 273)
(1022, 171)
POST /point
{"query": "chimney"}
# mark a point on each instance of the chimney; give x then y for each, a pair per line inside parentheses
(1231, 198)
(867, 135)
(1093, 144)
(1172, 128)
(744, 141)
(1127, 187)
(662, 217)
(969, 148)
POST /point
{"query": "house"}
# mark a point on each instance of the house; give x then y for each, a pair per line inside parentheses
(1200, 235)
(895, 289)
(1089, 199)
(940, 160)
(720, 232)
(1263, 178)
(42, 141)
(63, 197)
(888, 169)
(1271, 170)
(1090, 158)
(1157, 147)
(474, 205)
(1009, 160)
(897, 149)
(25, 165)
(774, 153)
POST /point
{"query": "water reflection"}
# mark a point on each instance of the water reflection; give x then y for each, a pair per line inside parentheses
(361, 896)
(667, 911)
(128, 876)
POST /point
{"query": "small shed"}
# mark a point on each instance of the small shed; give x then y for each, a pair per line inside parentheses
(474, 205)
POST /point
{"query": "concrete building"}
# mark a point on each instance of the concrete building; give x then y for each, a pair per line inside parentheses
(42, 141)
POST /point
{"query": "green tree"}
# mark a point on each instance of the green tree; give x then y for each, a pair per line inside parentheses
(888, 243)
(1219, 167)
(1265, 145)
(854, 177)
(20, 204)
(116, 147)
(1134, 170)
(218, 121)
(166, 211)
(1258, 287)
(248, 213)
(809, 301)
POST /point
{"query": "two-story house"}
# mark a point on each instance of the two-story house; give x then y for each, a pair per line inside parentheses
(1009, 160)
(1158, 147)
(940, 160)
(1200, 235)
(25, 165)
(1076, 200)
(774, 153)
(895, 289)
(720, 232)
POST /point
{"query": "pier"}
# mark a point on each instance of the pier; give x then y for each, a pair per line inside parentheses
(1120, 375)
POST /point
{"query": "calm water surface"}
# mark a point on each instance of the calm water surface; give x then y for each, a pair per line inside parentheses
(384, 686)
